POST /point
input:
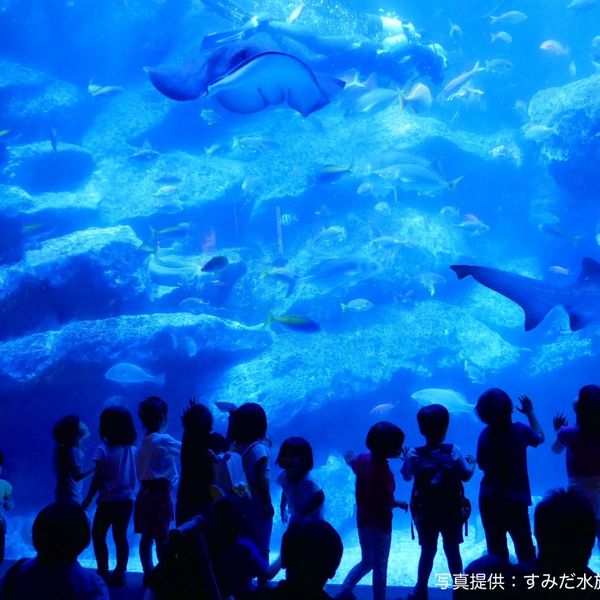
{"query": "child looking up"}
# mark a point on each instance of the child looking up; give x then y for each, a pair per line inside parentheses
(437, 496)
(114, 481)
(504, 493)
(375, 487)
(156, 462)
(68, 433)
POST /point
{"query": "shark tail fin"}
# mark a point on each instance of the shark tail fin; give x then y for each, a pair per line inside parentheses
(535, 311)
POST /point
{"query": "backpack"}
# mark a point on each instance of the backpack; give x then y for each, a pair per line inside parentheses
(229, 477)
(438, 493)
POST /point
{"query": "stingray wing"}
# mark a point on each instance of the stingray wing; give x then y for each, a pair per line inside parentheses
(181, 84)
(535, 297)
(269, 79)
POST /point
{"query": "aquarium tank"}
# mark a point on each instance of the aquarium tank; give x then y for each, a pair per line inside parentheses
(340, 210)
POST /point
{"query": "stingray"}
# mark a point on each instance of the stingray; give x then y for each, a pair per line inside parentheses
(581, 299)
(269, 79)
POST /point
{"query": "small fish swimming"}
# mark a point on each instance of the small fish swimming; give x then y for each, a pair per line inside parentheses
(166, 190)
(196, 306)
(179, 230)
(558, 270)
(419, 179)
(296, 13)
(501, 36)
(288, 219)
(146, 152)
(381, 410)
(128, 373)
(554, 47)
(454, 401)
(357, 305)
(103, 90)
(54, 139)
(499, 65)
(511, 17)
(430, 281)
(210, 117)
(329, 235)
(455, 30)
(331, 173)
(286, 276)
(256, 143)
(473, 224)
(383, 208)
(295, 323)
(376, 187)
(582, 4)
(216, 263)
(460, 80)
(539, 133)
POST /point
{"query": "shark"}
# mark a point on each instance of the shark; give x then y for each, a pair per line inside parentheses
(581, 299)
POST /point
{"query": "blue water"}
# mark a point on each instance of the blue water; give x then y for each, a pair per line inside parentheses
(85, 284)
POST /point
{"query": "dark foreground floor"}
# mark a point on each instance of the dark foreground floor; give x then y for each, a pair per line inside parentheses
(134, 591)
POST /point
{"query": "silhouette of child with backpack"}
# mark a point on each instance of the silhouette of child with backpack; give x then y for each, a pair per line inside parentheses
(438, 504)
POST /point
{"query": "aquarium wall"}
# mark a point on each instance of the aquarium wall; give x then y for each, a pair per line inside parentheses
(262, 203)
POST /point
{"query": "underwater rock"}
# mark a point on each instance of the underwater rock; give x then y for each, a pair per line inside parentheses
(37, 168)
(35, 102)
(572, 155)
(331, 371)
(91, 273)
(154, 341)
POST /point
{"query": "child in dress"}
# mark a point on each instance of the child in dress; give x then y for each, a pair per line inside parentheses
(375, 487)
(156, 462)
(68, 433)
(301, 497)
(248, 430)
(504, 492)
(438, 471)
(582, 442)
(114, 481)
(5, 504)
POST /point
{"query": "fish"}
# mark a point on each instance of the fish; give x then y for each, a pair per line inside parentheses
(32, 228)
(179, 230)
(582, 4)
(474, 224)
(268, 79)
(558, 270)
(334, 233)
(419, 98)
(357, 305)
(128, 373)
(555, 48)
(166, 190)
(555, 231)
(454, 401)
(383, 208)
(501, 36)
(499, 65)
(455, 30)
(288, 219)
(257, 143)
(173, 271)
(381, 410)
(295, 323)
(213, 149)
(103, 90)
(460, 80)
(296, 13)
(286, 276)
(196, 306)
(146, 152)
(354, 268)
(581, 299)
(216, 263)
(418, 178)
(373, 102)
(388, 242)
(331, 173)
(511, 17)
(539, 133)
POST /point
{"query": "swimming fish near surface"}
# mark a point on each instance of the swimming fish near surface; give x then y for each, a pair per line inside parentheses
(511, 17)
(128, 373)
(357, 305)
(269, 79)
(460, 80)
(419, 98)
(454, 401)
(581, 299)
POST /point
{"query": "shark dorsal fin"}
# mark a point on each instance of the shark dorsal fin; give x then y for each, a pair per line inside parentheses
(590, 269)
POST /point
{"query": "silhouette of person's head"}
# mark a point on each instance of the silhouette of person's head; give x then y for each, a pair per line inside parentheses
(565, 530)
(311, 553)
(433, 422)
(385, 439)
(61, 531)
(494, 408)
(587, 409)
